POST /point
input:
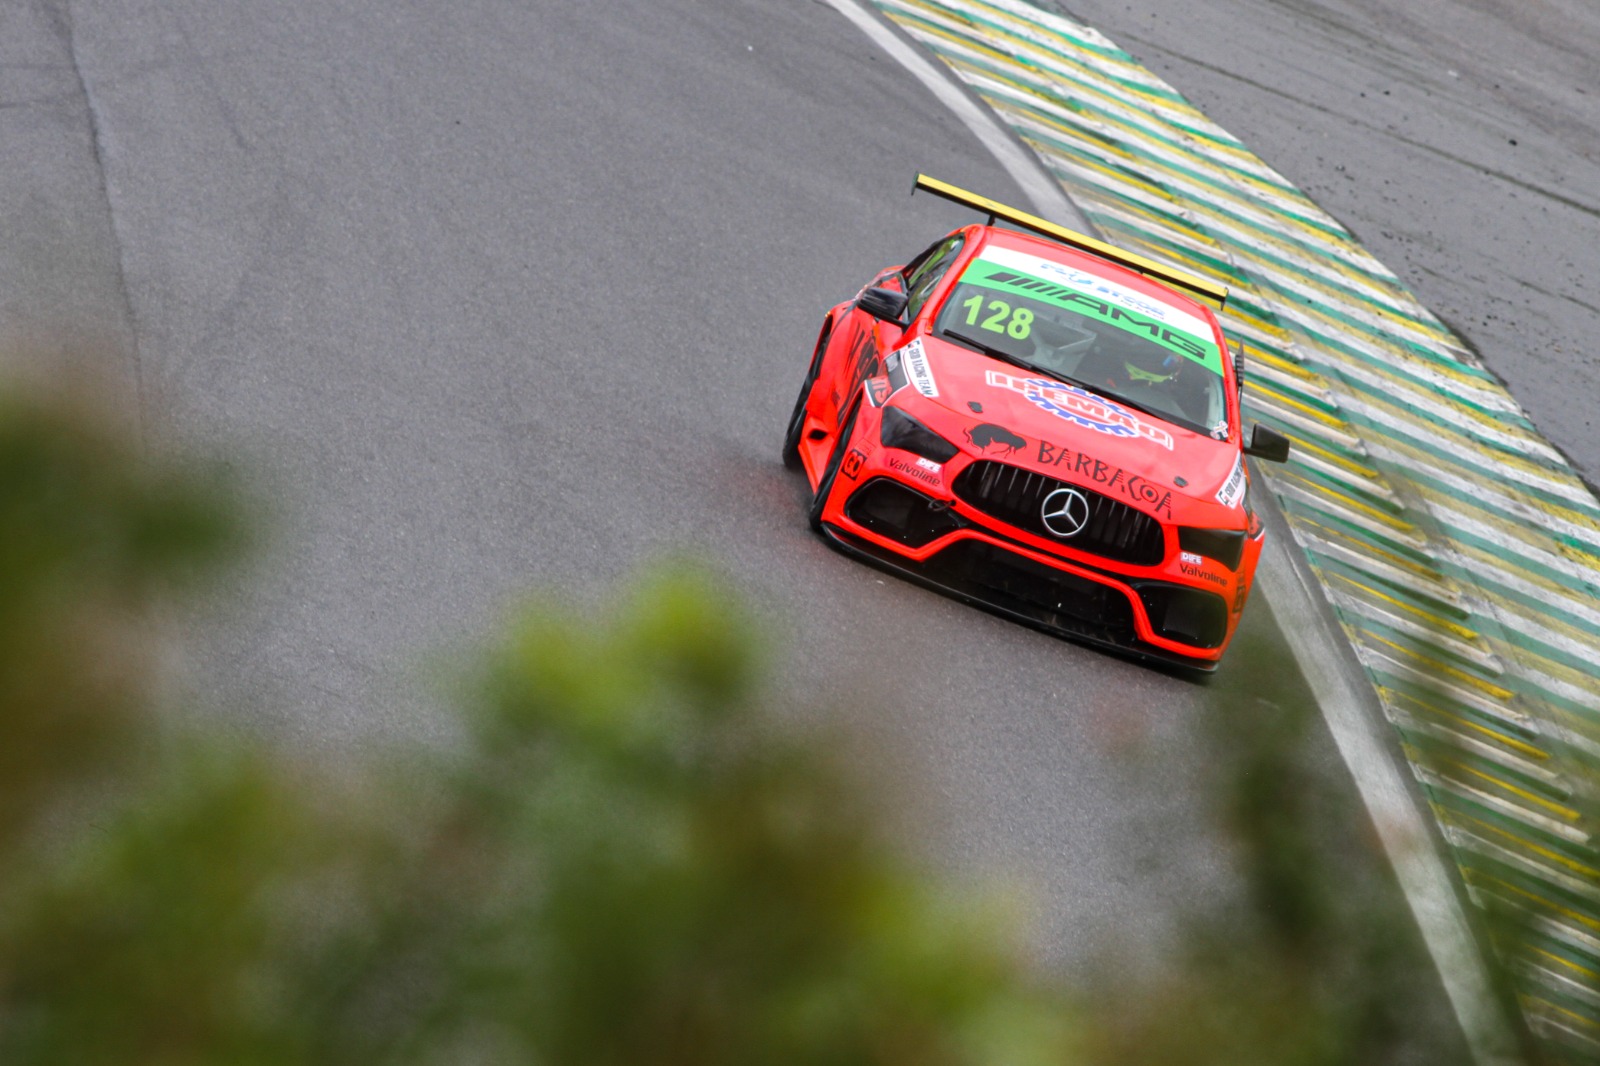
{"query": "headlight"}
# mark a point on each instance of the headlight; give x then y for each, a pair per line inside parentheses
(900, 430)
(1223, 545)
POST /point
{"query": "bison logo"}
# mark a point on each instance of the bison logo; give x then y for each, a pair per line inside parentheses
(988, 435)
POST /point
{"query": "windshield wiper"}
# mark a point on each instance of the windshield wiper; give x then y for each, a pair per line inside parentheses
(1101, 390)
(1144, 408)
(1014, 360)
(1135, 404)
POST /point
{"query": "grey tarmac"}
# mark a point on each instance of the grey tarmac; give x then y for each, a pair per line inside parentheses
(1459, 140)
(498, 300)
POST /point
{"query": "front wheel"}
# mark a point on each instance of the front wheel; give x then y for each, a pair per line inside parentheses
(797, 418)
(831, 471)
(797, 425)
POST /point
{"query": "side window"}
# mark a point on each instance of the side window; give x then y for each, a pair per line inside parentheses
(924, 257)
(925, 273)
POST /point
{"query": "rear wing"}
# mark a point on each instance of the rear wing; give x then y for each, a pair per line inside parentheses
(1209, 291)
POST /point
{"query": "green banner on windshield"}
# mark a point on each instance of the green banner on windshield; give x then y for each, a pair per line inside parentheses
(1095, 305)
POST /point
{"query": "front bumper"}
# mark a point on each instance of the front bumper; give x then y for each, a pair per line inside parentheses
(947, 545)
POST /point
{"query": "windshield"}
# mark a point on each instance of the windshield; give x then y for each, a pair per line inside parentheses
(1074, 326)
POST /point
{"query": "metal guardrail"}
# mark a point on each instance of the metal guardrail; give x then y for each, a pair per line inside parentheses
(1458, 549)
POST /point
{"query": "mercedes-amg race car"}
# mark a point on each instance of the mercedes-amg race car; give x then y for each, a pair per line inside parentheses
(1044, 425)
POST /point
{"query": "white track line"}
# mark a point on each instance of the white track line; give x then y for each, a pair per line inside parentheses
(1043, 192)
(1344, 696)
(1348, 705)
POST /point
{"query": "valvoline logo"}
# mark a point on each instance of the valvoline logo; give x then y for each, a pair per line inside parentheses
(1081, 407)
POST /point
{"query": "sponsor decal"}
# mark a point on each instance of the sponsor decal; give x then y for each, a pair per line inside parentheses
(1202, 574)
(989, 436)
(1170, 327)
(1088, 468)
(851, 467)
(1120, 295)
(1191, 559)
(1133, 301)
(1081, 407)
(1220, 430)
(915, 362)
(1065, 512)
(1232, 490)
(878, 391)
(922, 470)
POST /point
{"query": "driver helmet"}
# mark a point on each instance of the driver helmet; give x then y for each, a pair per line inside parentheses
(1152, 367)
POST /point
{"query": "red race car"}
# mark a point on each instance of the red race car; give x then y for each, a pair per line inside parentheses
(1043, 425)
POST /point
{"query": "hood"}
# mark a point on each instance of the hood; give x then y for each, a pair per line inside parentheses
(1008, 413)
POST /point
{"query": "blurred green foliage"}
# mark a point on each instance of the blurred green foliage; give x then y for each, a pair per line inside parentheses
(90, 537)
(626, 861)
(1314, 960)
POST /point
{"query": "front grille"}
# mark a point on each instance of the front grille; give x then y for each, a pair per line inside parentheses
(1016, 496)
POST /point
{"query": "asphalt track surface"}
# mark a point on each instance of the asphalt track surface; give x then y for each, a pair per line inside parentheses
(498, 300)
(1459, 140)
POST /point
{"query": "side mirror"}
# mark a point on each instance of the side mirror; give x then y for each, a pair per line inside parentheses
(1267, 443)
(1237, 348)
(884, 304)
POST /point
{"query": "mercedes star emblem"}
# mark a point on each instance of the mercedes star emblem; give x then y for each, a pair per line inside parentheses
(1065, 512)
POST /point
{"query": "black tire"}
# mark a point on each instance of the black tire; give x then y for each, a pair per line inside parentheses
(831, 471)
(797, 417)
(797, 425)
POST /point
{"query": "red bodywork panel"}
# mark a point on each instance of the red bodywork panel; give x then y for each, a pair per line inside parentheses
(1034, 439)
